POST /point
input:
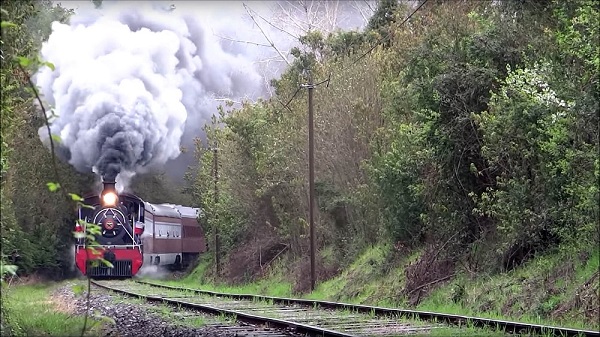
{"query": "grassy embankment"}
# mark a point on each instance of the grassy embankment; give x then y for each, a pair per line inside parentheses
(33, 310)
(553, 289)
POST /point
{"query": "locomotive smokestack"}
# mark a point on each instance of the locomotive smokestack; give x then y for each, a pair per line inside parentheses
(108, 185)
(109, 194)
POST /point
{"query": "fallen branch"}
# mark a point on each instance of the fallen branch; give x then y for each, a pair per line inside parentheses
(273, 259)
(430, 283)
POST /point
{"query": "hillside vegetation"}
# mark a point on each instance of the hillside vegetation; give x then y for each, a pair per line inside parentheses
(456, 163)
(464, 146)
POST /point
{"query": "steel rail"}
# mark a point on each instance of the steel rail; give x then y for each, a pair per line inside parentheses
(507, 326)
(240, 316)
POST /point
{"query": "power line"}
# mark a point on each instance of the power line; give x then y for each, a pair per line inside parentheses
(286, 105)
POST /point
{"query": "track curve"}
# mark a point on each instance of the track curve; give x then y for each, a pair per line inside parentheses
(323, 318)
(507, 326)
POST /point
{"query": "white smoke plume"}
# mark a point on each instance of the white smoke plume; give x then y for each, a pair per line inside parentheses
(129, 80)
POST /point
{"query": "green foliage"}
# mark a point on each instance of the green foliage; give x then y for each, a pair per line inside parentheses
(37, 232)
(262, 161)
(440, 172)
(524, 133)
(397, 175)
(578, 35)
(7, 270)
(344, 44)
(53, 187)
(543, 174)
(386, 13)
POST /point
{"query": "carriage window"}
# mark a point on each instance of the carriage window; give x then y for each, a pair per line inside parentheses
(168, 230)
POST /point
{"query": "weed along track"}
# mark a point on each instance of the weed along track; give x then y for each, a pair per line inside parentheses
(329, 318)
(280, 319)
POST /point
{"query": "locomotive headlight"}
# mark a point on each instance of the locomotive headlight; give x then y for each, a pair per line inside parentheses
(109, 199)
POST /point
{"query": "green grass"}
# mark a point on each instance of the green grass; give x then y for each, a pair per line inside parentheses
(527, 294)
(273, 285)
(269, 288)
(468, 330)
(31, 312)
(367, 280)
(198, 321)
(198, 275)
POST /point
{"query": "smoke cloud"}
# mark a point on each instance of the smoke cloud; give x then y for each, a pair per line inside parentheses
(129, 80)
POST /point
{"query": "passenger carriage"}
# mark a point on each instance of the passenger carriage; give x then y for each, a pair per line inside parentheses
(172, 235)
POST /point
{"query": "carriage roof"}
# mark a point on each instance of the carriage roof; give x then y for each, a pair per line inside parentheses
(162, 210)
(185, 211)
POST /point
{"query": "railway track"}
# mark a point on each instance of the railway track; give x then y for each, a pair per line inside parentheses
(323, 318)
(290, 319)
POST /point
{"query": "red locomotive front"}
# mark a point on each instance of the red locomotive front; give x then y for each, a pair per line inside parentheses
(115, 221)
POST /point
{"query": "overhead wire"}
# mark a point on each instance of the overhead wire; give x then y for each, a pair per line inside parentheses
(286, 105)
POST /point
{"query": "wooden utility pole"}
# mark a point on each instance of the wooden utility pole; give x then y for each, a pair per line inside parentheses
(311, 176)
(216, 180)
(311, 182)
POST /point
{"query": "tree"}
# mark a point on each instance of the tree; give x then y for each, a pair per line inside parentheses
(26, 163)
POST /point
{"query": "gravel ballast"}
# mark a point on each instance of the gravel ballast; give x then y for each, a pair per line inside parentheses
(132, 319)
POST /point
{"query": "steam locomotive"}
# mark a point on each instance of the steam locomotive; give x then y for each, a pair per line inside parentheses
(131, 233)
